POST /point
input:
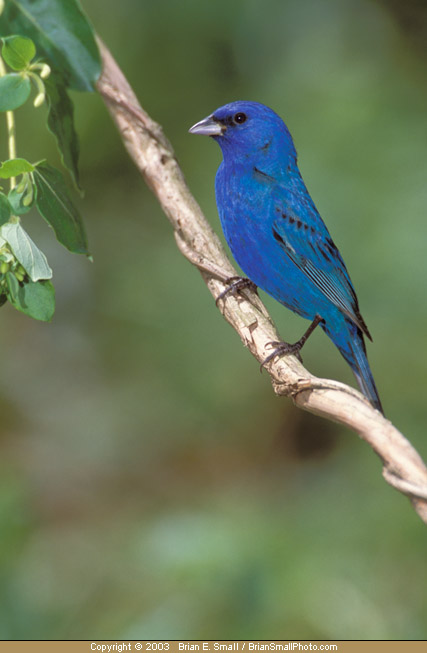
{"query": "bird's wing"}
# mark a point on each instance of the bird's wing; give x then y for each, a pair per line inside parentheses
(304, 237)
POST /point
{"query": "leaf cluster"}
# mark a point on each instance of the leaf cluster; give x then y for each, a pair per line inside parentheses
(48, 45)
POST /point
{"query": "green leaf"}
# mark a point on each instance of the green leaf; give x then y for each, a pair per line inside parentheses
(18, 51)
(6, 255)
(12, 287)
(55, 205)
(5, 209)
(60, 121)
(16, 201)
(15, 167)
(14, 91)
(34, 299)
(62, 33)
(26, 251)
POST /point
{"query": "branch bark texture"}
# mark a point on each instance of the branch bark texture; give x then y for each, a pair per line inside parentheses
(153, 155)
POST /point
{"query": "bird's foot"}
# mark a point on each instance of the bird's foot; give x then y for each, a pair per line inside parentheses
(236, 284)
(282, 348)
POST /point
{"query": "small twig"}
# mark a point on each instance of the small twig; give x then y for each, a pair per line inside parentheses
(153, 155)
(406, 487)
(204, 264)
(11, 135)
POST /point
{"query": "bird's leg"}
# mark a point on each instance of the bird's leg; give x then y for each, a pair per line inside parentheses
(236, 285)
(281, 348)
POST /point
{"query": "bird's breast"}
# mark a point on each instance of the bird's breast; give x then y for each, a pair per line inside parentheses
(247, 213)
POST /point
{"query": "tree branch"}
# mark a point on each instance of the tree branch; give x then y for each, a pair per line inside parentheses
(153, 155)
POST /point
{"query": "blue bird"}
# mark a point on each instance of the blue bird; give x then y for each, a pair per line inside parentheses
(276, 234)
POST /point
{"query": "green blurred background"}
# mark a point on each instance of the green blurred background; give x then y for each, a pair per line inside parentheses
(151, 484)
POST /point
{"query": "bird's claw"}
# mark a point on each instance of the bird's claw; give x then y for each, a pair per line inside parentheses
(236, 284)
(274, 343)
(281, 349)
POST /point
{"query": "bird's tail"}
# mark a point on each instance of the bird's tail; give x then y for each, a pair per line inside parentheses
(363, 374)
(352, 347)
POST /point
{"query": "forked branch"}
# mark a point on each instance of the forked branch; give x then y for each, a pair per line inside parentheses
(153, 155)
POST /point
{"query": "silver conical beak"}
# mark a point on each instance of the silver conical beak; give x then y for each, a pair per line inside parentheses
(207, 127)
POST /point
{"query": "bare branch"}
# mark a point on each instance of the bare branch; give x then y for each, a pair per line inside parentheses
(154, 157)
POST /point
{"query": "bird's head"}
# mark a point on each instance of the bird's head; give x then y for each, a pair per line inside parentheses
(247, 129)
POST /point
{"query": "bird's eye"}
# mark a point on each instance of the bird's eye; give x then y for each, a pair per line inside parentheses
(239, 118)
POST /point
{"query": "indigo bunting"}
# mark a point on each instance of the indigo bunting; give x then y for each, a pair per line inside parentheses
(276, 234)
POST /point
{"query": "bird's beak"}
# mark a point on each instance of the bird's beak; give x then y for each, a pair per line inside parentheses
(208, 127)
